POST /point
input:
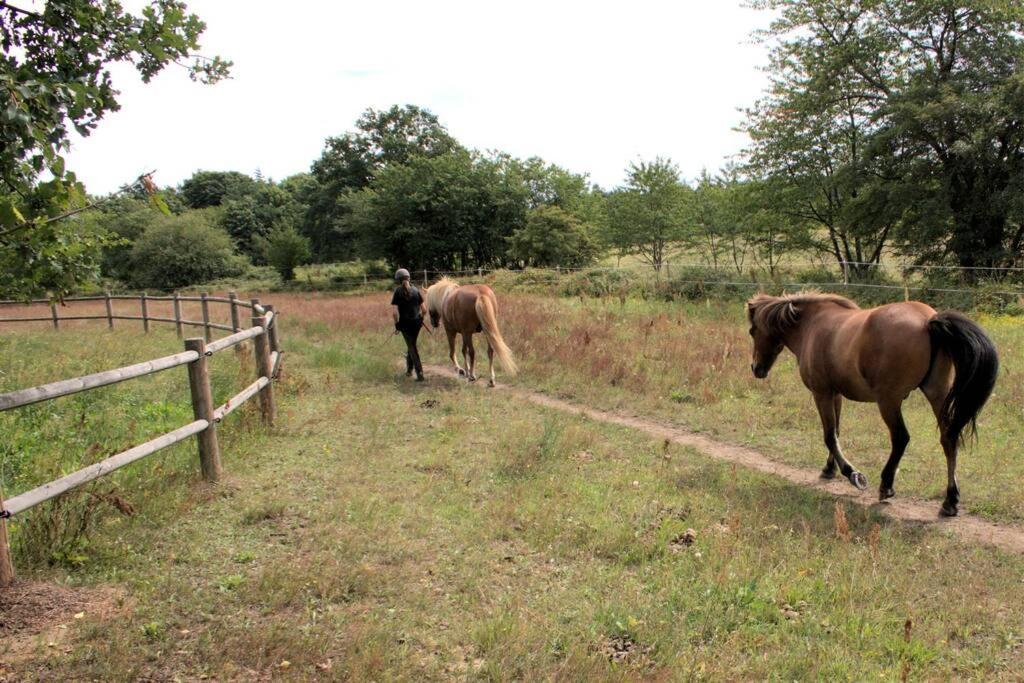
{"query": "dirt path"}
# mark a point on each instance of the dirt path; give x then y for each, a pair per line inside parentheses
(968, 527)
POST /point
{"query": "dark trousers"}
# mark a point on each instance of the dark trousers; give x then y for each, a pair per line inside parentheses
(410, 332)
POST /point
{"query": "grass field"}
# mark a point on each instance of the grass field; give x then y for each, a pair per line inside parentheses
(392, 531)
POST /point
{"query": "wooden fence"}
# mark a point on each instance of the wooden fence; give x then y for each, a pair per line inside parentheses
(266, 343)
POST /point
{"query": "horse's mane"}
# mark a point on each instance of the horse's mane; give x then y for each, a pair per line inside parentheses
(777, 314)
(436, 292)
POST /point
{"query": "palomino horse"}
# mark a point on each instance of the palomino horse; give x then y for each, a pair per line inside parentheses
(881, 355)
(466, 310)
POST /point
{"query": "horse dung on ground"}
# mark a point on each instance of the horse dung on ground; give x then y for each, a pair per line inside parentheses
(466, 310)
(879, 355)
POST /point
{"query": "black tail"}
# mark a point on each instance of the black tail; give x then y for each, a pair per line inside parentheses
(976, 365)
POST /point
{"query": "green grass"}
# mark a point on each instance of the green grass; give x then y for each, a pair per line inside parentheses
(689, 364)
(48, 440)
(392, 531)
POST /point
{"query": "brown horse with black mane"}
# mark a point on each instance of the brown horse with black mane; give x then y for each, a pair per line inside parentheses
(466, 310)
(881, 355)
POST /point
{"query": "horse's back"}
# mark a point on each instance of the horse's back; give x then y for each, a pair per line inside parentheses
(893, 346)
(460, 306)
(865, 353)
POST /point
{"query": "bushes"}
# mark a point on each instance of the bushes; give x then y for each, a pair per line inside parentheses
(286, 250)
(553, 237)
(178, 251)
(602, 282)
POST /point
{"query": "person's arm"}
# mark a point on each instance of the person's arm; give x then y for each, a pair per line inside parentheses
(394, 314)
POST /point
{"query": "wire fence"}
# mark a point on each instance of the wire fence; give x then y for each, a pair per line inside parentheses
(908, 276)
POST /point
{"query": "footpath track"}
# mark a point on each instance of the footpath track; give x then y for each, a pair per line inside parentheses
(966, 526)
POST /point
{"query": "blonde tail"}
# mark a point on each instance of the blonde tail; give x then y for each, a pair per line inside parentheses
(489, 322)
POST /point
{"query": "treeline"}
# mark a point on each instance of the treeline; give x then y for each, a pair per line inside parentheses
(401, 189)
(888, 129)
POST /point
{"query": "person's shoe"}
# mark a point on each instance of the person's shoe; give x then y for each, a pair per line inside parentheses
(420, 377)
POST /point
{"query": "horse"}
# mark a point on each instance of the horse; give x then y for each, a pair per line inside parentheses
(879, 355)
(466, 310)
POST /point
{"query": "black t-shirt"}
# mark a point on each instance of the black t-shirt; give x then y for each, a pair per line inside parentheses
(408, 304)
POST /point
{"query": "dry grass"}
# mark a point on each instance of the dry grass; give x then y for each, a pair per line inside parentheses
(392, 531)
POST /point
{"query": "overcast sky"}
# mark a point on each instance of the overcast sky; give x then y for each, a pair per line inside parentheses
(590, 86)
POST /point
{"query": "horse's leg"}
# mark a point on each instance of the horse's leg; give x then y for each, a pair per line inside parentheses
(830, 469)
(900, 437)
(490, 364)
(935, 388)
(451, 351)
(472, 358)
(829, 424)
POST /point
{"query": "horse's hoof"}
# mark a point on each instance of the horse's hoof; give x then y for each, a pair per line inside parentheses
(471, 378)
(859, 480)
(828, 473)
(948, 510)
(462, 373)
(884, 493)
(491, 383)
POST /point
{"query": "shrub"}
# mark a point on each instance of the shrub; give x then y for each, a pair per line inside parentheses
(708, 283)
(286, 250)
(177, 251)
(552, 237)
(527, 280)
(602, 282)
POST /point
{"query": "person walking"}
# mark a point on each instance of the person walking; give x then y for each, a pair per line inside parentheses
(409, 309)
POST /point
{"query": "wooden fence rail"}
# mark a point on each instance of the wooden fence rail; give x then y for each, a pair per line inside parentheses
(266, 344)
(204, 300)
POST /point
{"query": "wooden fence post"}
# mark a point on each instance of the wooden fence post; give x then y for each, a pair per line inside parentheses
(145, 314)
(275, 340)
(177, 316)
(110, 311)
(202, 408)
(6, 568)
(53, 312)
(234, 311)
(207, 332)
(264, 368)
(424, 277)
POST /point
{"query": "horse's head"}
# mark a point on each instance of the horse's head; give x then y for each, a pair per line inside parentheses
(769, 318)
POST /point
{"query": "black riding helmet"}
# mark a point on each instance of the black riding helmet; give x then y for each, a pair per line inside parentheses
(401, 274)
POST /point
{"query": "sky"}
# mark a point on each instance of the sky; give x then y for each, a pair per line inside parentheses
(590, 86)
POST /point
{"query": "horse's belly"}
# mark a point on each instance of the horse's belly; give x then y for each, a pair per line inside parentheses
(858, 392)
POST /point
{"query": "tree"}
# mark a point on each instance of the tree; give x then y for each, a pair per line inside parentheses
(814, 146)
(650, 212)
(350, 162)
(552, 237)
(771, 232)
(53, 76)
(213, 188)
(286, 249)
(911, 112)
(444, 212)
(177, 251)
(126, 219)
(250, 218)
